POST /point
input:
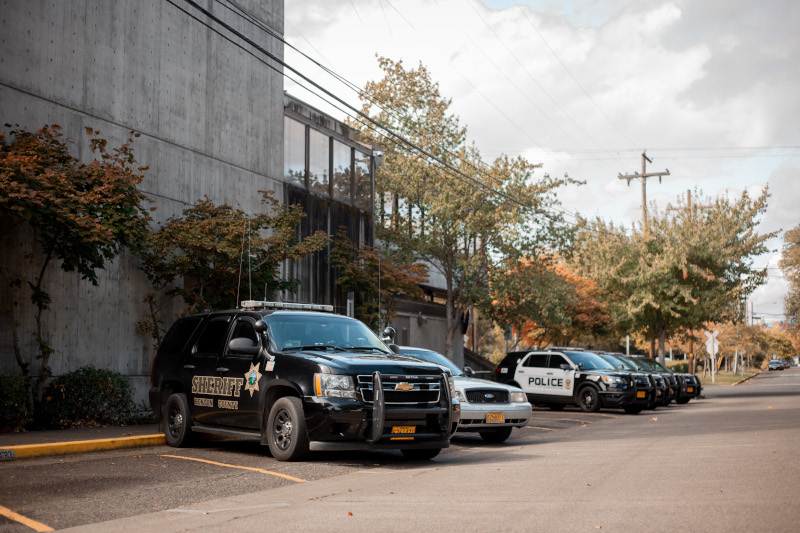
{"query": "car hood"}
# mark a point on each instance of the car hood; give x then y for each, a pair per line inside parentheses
(366, 363)
(463, 383)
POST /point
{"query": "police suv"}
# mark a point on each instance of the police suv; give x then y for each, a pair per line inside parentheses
(569, 376)
(300, 379)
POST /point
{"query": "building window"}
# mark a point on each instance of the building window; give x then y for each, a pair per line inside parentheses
(294, 151)
(342, 160)
(363, 181)
(318, 162)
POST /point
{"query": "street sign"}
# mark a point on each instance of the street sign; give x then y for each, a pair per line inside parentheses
(712, 344)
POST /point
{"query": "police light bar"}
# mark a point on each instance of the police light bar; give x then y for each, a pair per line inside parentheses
(256, 304)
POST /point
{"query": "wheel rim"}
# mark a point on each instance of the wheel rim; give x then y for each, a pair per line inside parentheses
(282, 429)
(175, 420)
(588, 399)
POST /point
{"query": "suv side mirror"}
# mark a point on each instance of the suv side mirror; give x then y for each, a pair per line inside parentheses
(393, 347)
(468, 371)
(388, 334)
(261, 326)
(243, 345)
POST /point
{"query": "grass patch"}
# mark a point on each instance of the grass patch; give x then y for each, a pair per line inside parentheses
(725, 378)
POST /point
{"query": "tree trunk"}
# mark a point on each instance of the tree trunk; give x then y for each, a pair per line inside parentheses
(662, 334)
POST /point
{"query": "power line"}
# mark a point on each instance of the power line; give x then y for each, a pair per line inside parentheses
(454, 172)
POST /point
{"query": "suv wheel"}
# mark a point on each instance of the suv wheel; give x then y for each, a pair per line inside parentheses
(286, 430)
(496, 435)
(589, 400)
(420, 454)
(177, 432)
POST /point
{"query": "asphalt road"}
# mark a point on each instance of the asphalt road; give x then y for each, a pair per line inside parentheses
(729, 462)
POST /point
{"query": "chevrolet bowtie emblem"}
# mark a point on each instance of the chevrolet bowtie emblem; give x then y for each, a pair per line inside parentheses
(404, 386)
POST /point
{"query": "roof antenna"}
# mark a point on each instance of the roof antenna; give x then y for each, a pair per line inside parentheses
(239, 284)
(249, 256)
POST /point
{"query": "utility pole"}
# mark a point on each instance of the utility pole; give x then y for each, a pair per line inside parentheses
(643, 177)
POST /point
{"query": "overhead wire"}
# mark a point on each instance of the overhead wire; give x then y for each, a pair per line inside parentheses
(458, 174)
(397, 115)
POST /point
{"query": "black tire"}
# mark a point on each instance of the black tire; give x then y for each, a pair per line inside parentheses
(633, 409)
(286, 430)
(682, 400)
(177, 423)
(556, 406)
(496, 435)
(420, 454)
(589, 400)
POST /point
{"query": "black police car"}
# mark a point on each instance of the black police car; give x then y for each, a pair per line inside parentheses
(569, 376)
(299, 380)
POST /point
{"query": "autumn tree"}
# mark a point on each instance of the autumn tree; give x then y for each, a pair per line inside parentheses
(80, 216)
(440, 202)
(221, 253)
(546, 303)
(790, 265)
(688, 269)
(377, 277)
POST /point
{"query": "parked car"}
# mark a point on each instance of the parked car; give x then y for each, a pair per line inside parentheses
(300, 379)
(645, 385)
(491, 409)
(569, 376)
(775, 364)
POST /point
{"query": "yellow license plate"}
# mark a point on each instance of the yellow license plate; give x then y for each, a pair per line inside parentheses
(495, 418)
(403, 429)
(641, 394)
(689, 389)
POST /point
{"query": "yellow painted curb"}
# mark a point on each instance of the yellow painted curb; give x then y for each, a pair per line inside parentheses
(25, 451)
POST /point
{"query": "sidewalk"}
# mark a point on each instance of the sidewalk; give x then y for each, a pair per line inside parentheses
(68, 441)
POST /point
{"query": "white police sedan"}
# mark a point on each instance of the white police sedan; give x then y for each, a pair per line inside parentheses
(489, 408)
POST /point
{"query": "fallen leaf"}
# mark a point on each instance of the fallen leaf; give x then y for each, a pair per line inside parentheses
(769, 407)
(126, 434)
(654, 419)
(588, 484)
(349, 513)
(137, 456)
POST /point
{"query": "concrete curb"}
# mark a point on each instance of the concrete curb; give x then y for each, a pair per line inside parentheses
(745, 379)
(26, 451)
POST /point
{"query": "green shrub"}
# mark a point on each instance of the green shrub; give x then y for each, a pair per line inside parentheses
(678, 366)
(16, 412)
(88, 396)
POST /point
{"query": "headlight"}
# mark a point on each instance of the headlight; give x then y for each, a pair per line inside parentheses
(334, 386)
(460, 396)
(517, 397)
(451, 382)
(612, 379)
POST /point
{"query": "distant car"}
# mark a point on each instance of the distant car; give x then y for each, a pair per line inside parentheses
(785, 364)
(489, 408)
(775, 365)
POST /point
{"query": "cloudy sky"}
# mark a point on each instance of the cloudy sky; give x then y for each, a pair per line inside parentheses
(708, 87)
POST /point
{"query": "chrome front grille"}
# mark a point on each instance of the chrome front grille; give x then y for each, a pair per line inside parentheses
(487, 396)
(402, 389)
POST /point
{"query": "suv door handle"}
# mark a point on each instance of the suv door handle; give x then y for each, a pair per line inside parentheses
(188, 367)
(222, 369)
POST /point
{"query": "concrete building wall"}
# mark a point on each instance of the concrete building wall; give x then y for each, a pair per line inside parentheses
(210, 117)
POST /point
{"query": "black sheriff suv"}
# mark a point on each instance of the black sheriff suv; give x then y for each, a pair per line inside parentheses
(300, 379)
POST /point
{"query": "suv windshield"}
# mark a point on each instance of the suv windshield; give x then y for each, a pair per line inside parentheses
(321, 332)
(590, 361)
(616, 361)
(433, 357)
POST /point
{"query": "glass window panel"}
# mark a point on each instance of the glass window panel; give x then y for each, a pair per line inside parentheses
(363, 182)
(294, 151)
(341, 172)
(318, 162)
